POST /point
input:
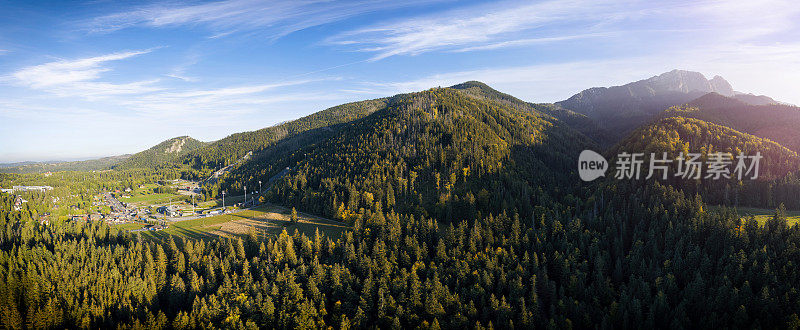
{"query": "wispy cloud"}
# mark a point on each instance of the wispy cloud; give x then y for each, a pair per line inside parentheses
(25, 110)
(84, 79)
(273, 18)
(80, 77)
(179, 71)
(477, 27)
(221, 101)
(515, 24)
(532, 41)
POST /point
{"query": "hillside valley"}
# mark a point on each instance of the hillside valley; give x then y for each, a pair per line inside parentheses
(777, 122)
(450, 207)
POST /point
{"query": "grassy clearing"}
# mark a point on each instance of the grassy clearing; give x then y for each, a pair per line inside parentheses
(151, 198)
(266, 220)
(762, 215)
(146, 188)
(127, 226)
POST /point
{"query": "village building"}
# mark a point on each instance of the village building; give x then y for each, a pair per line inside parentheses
(32, 188)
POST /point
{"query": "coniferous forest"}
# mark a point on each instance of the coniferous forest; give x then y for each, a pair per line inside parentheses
(464, 210)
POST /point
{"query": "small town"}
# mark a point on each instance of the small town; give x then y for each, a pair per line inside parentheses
(143, 208)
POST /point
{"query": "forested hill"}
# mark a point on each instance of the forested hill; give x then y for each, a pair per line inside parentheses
(82, 165)
(230, 149)
(575, 120)
(466, 212)
(278, 147)
(778, 180)
(777, 122)
(438, 153)
(161, 153)
(481, 90)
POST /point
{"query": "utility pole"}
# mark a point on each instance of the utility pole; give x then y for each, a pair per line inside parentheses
(245, 197)
(223, 201)
(259, 188)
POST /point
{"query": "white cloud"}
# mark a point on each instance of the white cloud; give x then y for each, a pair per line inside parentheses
(234, 91)
(83, 86)
(274, 18)
(225, 101)
(83, 78)
(182, 76)
(179, 71)
(80, 77)
(26, 111)
(470, 28)
(63, 72)
(515, 24)
(532, 41)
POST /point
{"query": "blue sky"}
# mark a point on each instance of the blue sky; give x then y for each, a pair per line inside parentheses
(96, 78)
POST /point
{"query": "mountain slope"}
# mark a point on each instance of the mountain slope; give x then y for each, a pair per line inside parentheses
(576, 121)
(230, 149)
(482, 90)
(440, 153)
(274, 147)
(676, 135)
(776, 122)
(511, 240)
(161, 153)
(753, 99)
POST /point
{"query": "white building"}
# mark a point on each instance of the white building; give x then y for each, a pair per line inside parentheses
(32, 188)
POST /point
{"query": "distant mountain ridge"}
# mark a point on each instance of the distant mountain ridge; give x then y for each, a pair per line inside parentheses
(103, 163)
(753, 99)
(645, 97)
(620, 109)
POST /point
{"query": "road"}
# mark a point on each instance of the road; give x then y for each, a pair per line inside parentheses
(115, 204)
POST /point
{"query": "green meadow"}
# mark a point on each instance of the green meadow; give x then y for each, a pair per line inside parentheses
(265, 220)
